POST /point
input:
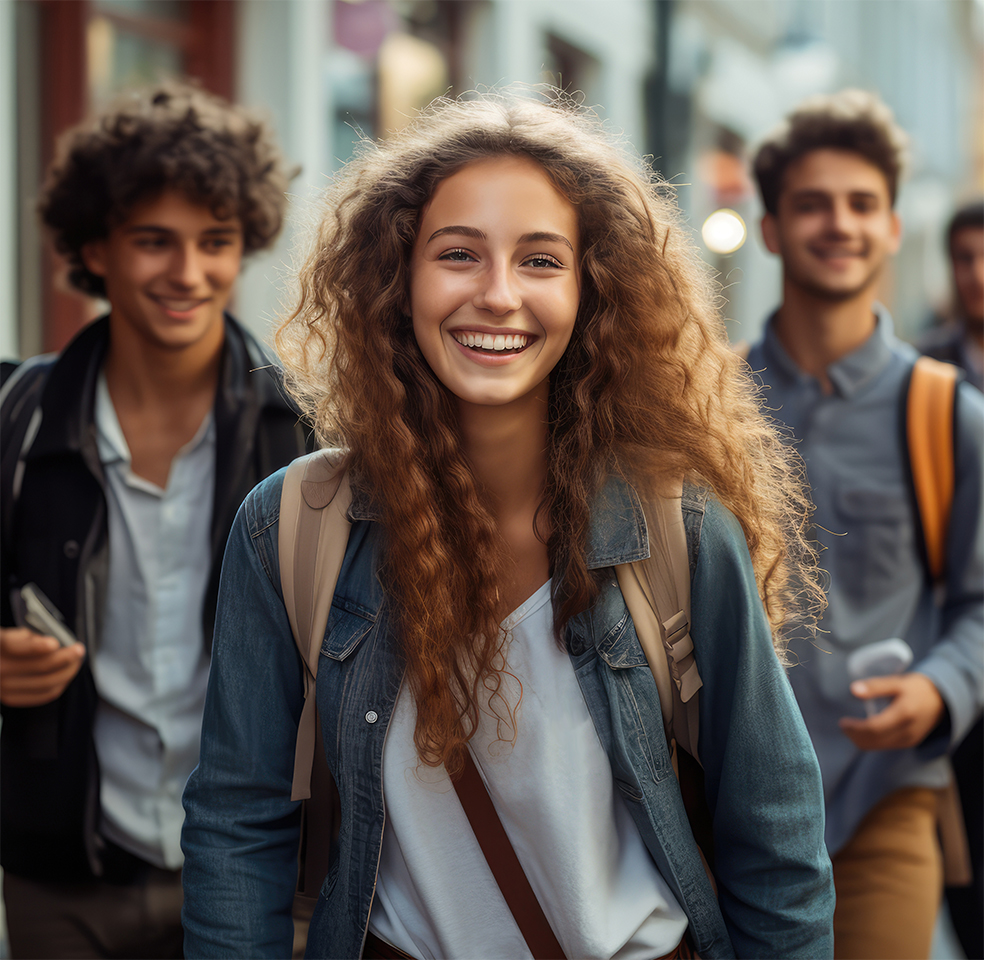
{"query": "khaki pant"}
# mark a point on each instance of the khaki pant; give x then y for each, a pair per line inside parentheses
(889, 881)
(94, 918)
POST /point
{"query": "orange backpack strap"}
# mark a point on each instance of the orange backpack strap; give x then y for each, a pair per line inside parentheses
(929, 433)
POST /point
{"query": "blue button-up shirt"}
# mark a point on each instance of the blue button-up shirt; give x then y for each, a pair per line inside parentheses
(852, 442)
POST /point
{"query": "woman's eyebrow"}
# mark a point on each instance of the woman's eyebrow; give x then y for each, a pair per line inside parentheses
(543, 236)
(539, 236)
(473, 232)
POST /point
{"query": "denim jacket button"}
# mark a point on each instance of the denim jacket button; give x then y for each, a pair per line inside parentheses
(372, 716)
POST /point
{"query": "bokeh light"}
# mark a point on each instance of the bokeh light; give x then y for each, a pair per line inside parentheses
(723, 231)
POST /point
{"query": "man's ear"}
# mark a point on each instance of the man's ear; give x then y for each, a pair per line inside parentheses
(770, 232)
(94, 257)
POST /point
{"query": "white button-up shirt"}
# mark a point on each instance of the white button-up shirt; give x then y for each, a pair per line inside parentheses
(150, 665)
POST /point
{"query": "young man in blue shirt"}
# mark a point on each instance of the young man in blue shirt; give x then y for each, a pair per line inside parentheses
(832, 369)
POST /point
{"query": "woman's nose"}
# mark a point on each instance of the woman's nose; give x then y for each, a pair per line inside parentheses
(498, 292)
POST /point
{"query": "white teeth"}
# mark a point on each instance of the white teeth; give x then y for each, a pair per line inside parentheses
(488, 341)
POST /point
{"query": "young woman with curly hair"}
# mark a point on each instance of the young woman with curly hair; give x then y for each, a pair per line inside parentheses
(506, 331)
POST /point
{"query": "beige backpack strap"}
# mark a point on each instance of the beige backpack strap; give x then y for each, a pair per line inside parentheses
(657, 595)
(929, 435)
(314, 526)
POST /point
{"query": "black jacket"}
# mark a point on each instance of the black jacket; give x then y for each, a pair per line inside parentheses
(54, 533)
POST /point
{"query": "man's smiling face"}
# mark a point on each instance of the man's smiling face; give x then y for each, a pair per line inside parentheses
(834, 227)
(169, 269)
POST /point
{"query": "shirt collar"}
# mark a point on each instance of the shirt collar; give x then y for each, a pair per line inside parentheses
(849, 374)
(110, 440)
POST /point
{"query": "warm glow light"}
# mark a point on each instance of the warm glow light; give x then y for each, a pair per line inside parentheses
(723, 231)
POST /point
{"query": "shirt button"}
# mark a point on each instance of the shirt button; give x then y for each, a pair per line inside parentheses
(372, 716)
(71, 549)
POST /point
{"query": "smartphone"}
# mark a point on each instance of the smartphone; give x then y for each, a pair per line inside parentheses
(882, 659)
(33, 609)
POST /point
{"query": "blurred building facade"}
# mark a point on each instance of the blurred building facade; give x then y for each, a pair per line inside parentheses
(325, 71)
(733, 68)
(693, 82)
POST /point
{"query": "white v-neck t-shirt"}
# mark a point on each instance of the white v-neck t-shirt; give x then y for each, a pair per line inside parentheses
(554, 792)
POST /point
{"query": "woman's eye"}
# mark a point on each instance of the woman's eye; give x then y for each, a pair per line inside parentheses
(541, 261)
(457, 256)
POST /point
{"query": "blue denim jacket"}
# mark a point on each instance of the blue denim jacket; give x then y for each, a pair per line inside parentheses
(775, 894)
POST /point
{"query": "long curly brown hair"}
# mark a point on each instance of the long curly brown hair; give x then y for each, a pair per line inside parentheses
(647, 389)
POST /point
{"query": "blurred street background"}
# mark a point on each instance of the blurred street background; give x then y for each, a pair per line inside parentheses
(694, 83)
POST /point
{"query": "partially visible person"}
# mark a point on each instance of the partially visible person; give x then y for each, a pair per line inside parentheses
(961, 340)
(833, 371)
(123, 460)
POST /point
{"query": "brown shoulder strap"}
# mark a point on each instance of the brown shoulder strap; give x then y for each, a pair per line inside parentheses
(312, 536)
(504, 864)
(929, 434)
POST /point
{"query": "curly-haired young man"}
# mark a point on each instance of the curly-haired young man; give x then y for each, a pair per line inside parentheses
(834, 371)
(124, 460)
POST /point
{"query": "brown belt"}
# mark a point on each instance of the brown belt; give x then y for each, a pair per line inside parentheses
(377, 949)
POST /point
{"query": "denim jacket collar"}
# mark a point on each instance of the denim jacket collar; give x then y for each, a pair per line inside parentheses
(618, 526)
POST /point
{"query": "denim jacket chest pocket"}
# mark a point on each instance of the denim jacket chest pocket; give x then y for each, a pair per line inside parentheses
(348, 624)
(625, 704)
(359, 676)
(610, 625)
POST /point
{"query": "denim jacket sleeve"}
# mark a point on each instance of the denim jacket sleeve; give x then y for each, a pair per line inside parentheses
(762, 779)
(241, 829)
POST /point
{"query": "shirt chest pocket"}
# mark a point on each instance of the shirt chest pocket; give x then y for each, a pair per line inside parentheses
(876, 536)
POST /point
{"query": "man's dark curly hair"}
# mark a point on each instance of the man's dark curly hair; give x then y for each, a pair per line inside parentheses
(852, 120)
(171, 137)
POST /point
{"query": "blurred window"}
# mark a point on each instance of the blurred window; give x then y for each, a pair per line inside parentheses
(569, 67)
(390, 58)
(133, 43)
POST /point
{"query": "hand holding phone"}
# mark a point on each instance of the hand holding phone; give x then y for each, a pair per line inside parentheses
(33, 609)
(884, 658)
(38, 658)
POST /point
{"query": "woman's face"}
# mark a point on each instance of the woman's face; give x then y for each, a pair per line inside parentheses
(494, 281)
